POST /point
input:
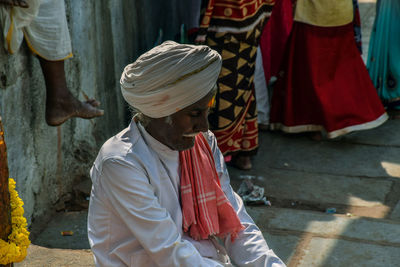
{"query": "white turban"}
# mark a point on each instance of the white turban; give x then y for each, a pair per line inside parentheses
(170, 77)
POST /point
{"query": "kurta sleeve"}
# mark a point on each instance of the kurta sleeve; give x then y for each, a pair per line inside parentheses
(129, 192)
(250, 247)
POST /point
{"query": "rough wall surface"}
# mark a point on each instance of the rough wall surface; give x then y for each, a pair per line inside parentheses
(106, 35)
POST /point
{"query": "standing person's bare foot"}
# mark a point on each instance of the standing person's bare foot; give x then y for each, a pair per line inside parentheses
(61, 105)
(60, 110)
(394, 114)
(316, 136)
(17, 3)
(263, 127)
(241, 162)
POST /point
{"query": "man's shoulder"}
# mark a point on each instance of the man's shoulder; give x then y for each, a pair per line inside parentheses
(122, 146)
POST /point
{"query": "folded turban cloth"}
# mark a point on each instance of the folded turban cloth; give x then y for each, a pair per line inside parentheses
(170, 77)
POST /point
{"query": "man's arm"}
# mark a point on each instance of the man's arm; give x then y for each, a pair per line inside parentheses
(133, 198)
(250, 247)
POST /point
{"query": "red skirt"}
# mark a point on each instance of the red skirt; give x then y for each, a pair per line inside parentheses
(324, 84)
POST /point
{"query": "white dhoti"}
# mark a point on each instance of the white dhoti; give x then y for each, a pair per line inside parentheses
(44, 26)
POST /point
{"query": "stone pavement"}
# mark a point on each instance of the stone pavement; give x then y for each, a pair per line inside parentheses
(358, 175)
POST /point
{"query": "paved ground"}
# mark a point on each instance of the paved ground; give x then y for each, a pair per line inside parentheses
(357, 175)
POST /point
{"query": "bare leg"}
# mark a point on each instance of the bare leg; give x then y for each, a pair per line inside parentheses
(316, 136)
(60, 103)
(263, 127)
(394, 114)
(241, 161)
(18, 3)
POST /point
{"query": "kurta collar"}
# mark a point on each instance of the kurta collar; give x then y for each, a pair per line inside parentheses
(161, 149)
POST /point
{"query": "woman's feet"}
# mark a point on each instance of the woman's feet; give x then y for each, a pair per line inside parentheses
(394, 114)
(241, 162)
(263, 127)
(316, 136)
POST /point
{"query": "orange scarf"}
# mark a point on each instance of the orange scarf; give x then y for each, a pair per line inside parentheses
(205, 208)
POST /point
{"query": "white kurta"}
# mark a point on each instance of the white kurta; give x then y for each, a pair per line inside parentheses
(135, 217)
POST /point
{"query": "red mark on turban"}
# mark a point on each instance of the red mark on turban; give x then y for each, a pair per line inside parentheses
(161, 101)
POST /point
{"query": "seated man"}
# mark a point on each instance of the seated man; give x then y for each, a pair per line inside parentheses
(161, 194)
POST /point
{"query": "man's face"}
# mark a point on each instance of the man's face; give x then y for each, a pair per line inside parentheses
(178, 132)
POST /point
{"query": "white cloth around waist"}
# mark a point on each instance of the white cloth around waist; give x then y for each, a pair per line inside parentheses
(44, 26)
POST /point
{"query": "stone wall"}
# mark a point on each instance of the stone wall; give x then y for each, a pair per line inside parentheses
(106, 35)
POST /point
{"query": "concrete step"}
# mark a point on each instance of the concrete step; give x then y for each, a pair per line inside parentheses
(372, 197)
(52, 249)
(39, 256)
(75, 221)
(308, 238)
(297, 153)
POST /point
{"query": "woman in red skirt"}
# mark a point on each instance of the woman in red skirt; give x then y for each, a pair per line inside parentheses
(323, 85)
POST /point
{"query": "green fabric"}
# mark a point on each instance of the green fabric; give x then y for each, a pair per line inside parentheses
(384, 52)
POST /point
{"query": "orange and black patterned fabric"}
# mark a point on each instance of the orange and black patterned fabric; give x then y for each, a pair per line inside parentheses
(234, 29)
(234, 13)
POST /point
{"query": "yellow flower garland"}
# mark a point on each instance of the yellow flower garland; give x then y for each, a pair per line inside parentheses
(15, 249)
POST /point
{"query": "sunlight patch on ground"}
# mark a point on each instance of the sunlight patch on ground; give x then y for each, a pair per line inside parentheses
(392, 169)
(333, 227)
